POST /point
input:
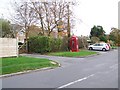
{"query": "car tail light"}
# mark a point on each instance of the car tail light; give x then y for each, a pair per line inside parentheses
(107, 46)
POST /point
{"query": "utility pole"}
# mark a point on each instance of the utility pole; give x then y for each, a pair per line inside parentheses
(68, 26)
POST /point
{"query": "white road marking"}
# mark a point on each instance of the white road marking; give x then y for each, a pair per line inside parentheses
(79, 80)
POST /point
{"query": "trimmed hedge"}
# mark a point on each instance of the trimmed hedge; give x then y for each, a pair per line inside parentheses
(43, 44)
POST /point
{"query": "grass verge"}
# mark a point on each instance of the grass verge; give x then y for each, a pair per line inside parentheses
(18, 64)
(82, 53)
(114, 47)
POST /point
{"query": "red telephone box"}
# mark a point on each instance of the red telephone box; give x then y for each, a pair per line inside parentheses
(74, 44)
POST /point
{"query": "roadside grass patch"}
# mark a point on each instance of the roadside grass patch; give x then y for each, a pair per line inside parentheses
(18, 64)
(81, 53)
(114, 47)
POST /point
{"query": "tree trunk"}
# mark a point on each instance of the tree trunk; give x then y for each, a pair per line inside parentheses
(68, 26)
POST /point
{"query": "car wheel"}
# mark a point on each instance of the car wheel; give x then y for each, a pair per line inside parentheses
(90, 48)
(103, 49)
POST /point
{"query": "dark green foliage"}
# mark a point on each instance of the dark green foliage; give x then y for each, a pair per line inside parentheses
(55, 44)
(112, 37)
(43, 44)
(39, 44)
(103, 38)
(98, 31)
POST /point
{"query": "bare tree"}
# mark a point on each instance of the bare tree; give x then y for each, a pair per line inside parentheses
(53, 15)
(38, 9)
(58, 11)
(44, 16)
(62, 12)
(24, 17)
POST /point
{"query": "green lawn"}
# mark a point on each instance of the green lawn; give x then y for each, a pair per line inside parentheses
(82, 53)
(17, 64)
(114, 47)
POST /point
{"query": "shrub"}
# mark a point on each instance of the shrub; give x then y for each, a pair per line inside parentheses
(82, 42)
(65, 44)
(103, 38)
(55, 44)
(39, 44)
(43, 44)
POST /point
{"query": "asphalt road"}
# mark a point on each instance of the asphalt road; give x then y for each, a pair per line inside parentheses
(100, 71)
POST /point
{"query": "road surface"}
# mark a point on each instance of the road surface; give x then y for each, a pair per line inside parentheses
(100, 71)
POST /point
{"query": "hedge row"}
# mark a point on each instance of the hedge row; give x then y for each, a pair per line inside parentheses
(43, 44)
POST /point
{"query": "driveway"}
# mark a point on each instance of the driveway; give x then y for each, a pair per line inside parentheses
(100, 71)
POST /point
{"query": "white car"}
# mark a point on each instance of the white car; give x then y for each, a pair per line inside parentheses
(99, 46)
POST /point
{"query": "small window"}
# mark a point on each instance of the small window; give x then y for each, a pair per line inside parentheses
(101, 44)
(95, 44)
(98, 44)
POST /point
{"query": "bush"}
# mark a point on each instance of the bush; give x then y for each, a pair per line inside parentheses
(43, 44)
(82, 42)
(95, 39)
(39, 44)
(55, 44)
(65, 44)
(103, 38)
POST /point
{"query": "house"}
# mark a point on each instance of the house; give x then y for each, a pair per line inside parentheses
(19, 32)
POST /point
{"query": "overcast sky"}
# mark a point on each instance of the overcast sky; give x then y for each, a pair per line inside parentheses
(96, 12)
(87, 14)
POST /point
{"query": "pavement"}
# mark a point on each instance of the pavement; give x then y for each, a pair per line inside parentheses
(100, 71)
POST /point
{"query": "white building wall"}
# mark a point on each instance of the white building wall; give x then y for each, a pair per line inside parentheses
(8, 47)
